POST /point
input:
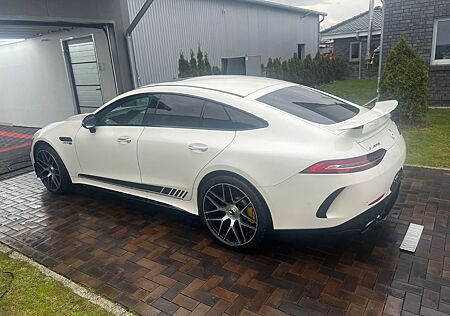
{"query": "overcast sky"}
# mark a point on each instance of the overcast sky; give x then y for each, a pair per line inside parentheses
(337, 10)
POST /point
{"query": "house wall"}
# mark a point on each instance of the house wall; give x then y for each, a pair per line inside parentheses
(341, 48)
(223, 28)
(415, 20)
(34, 81)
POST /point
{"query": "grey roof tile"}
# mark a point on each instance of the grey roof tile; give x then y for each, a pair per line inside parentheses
(357, 23)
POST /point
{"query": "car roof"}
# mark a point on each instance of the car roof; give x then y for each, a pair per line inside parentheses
(237, 85)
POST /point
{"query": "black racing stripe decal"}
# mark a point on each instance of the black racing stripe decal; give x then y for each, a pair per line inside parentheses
(175, 193)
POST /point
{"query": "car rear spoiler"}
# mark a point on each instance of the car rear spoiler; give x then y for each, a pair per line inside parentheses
(380, 110)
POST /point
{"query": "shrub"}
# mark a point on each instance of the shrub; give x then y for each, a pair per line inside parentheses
(193, 65)
(199, 66)
(208, 69)
(405, 78)
(309, 71)
(183, 67)
(216, 71)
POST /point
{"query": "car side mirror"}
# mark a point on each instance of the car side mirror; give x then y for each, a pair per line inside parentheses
(89, 123)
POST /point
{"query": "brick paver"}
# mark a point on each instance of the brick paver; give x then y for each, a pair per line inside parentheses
(15, 143)
(152, 259)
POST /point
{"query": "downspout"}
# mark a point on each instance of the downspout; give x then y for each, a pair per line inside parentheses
(380, 59)
(369, 33)
(129, 40)
(320, 37)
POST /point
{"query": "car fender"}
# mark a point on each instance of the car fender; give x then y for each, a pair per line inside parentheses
(61, 137)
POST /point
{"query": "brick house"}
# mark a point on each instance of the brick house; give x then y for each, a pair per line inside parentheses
(349, 41)
(426, 27)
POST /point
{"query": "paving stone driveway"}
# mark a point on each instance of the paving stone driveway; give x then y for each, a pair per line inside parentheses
(153, 260)
(15, 143)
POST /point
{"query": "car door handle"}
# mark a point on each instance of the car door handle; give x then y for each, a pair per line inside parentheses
(198, 147)
(124, 139)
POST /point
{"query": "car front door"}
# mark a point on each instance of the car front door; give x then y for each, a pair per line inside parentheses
(180, 140)
(110, 153)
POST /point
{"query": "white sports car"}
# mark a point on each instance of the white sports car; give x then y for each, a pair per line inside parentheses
(247, 154)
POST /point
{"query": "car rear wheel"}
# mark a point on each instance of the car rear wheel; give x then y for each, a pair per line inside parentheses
(51, 170)
(233, 211)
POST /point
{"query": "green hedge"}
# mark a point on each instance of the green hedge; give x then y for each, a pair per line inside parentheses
(405, 79)
(309, 71)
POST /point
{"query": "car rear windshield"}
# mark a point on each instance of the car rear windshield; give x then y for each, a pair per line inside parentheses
(310, 105)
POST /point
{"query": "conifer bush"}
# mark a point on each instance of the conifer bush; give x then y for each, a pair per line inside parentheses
(405, 79)
(309, 71)
(197, 65)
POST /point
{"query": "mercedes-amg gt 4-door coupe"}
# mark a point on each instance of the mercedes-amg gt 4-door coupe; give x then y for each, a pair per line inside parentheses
(247, 154)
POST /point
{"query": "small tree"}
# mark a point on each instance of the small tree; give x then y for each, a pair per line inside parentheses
(208, 69)
(193, 65)
(216, 70)
(183, 67)
(405, 78)
(269, 68)
(200, 62)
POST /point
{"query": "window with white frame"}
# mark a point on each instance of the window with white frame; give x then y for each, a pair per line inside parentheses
(355, 51)
(441, 42)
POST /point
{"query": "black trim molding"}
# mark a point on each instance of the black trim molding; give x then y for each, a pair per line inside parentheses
(323, 209)
(167, 191)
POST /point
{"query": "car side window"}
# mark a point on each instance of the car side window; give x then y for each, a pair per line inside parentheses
(215, 117)
(243, 121)
(178, 111)
(127, 112)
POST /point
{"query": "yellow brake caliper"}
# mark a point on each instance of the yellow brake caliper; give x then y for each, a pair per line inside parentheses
(251, 213)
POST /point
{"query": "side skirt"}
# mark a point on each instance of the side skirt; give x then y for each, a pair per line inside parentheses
(166, 191)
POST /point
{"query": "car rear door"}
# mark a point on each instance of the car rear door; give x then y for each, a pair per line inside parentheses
(183, 135)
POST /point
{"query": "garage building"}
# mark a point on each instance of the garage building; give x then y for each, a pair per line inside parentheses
(62, 57)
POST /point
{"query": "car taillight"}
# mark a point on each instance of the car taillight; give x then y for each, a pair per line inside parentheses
(347, 165)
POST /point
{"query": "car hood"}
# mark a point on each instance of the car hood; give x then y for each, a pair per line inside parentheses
(78, 117)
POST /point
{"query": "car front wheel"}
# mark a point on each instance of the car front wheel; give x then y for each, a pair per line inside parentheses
(233, 211)
(51, 170)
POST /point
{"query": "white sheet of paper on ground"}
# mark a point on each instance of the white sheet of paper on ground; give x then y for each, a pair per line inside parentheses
(412, 237)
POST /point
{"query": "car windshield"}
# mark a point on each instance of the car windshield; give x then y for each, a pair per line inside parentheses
(310, 105)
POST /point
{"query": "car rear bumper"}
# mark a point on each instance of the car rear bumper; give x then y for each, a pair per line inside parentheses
(373, 215)
(301, 201)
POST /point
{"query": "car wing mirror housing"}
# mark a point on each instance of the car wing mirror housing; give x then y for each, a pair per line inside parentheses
(89, 122)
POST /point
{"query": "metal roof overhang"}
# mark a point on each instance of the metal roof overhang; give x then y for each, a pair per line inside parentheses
(284, 6)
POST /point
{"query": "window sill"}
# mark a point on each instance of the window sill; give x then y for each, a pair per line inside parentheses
(439, 66)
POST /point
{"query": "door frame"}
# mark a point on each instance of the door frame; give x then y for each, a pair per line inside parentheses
(68, 60)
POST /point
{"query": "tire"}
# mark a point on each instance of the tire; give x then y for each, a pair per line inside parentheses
(51, 170)
(241, 224)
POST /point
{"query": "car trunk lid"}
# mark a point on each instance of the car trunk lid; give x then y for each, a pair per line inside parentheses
(372, 129)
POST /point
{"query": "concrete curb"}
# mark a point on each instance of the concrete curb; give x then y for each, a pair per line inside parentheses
(428, 167)
(104, 303)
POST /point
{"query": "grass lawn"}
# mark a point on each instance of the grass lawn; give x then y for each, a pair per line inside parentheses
(426, 146)
(430, 145)
(357, 91)
(32, 293)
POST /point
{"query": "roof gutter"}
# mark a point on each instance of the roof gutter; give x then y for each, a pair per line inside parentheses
(130, 45)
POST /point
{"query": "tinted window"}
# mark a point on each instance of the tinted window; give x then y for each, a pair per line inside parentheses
(127, 112)
(215, 117)
(310, 105)
(178, 111)
(242, 120)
